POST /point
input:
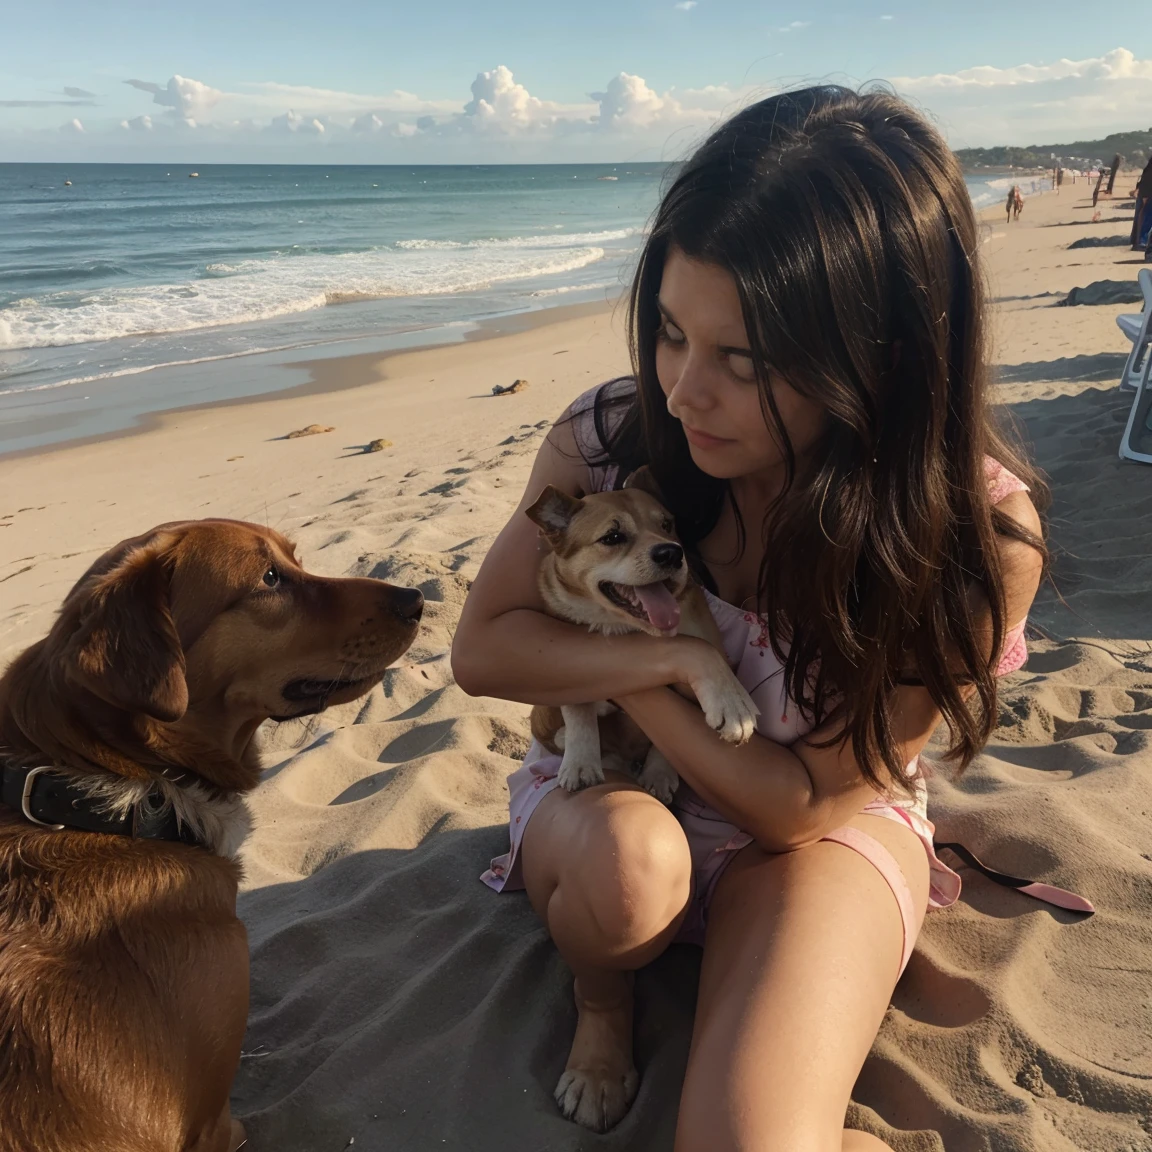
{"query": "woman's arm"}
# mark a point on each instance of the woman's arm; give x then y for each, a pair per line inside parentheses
(787, 798)
(506, 644)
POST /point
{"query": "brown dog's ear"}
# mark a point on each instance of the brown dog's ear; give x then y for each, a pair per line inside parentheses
(553, 512)
(643, 479)
(126, 650)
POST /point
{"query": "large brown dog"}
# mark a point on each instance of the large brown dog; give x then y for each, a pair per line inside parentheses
(123, 967)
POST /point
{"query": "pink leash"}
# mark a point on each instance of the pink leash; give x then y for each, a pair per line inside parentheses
(1044, 892)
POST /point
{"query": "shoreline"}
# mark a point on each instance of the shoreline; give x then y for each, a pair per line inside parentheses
(328, 373)
(352, 370)
(126, 399)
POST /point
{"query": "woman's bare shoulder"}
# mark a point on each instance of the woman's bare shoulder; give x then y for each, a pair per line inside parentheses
(507, 577)
(1021, 563)
(560, 459)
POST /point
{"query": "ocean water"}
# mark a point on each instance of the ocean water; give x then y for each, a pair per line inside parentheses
(138, 288)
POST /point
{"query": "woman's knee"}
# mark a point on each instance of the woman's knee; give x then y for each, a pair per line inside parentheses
(641, 880)
(627, 870)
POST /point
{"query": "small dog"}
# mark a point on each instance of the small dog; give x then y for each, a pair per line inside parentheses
(616, 565)
(126, 746)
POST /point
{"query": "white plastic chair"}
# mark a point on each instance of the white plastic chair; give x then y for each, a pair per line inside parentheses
(1138, 329)
(1138, 374)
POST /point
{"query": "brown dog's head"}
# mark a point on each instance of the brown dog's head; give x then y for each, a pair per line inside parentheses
(618, 563)
(199, 631)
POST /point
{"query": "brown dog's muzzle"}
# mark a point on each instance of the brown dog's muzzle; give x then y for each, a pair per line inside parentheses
(365, 626)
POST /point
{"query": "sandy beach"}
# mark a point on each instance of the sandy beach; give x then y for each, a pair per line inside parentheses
(398, 1003)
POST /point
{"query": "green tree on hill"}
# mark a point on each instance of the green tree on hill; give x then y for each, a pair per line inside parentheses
(1134, 146)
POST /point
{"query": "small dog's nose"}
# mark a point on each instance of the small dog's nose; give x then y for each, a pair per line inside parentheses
(408, 603)
(668, 555)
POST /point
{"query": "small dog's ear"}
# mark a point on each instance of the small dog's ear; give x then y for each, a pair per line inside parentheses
(643, 479)
(553, 511)
(126, 650)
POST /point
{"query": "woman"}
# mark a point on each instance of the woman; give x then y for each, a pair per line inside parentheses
(809, 391)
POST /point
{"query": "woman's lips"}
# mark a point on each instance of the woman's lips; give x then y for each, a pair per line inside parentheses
(704, 439)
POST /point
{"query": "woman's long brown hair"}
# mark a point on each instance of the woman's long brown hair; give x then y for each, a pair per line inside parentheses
(845, 222)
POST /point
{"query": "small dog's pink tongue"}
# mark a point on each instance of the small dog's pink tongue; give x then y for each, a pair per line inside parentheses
(660, 606)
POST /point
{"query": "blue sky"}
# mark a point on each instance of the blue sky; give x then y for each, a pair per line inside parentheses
(364, 81)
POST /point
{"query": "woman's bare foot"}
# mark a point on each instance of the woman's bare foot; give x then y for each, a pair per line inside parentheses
(600, 1080)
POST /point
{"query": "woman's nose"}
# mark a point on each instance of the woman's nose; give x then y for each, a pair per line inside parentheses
(691, 388)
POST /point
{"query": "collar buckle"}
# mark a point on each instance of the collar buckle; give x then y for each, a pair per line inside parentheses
(26, 798)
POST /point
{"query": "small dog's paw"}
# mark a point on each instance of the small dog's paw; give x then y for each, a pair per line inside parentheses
(575, 774)
(659, 777)
(729, 710)
(596, 1098)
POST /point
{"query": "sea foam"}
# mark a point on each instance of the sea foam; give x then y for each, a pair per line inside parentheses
(243, 291)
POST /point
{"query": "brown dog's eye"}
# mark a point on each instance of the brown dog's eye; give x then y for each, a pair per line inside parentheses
(271, 578)
(613, 536)
(667, 524)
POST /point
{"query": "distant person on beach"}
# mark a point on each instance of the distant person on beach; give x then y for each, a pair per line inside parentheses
(1015, 204)
(809, 391)
(1142, 218)
(1059, 179)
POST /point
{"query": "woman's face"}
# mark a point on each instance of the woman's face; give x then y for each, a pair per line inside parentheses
(706, 371)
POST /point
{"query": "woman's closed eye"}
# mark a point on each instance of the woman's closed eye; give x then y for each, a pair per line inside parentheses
(740, 364)
(668, 333)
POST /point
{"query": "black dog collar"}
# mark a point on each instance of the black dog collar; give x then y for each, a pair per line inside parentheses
(48, 797)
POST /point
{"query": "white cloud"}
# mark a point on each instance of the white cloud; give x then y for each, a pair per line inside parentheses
(629, 102)
(711, 95)
(1056, 102)
(500, 107)
(369, 122)
(334, 102)
(294, 123)
(188, 99)
(628, 119)
(796, 25)
(79, 93)
(685, 5)
(1119, 64)
(498, 101)
(42, 103)
(887, 17)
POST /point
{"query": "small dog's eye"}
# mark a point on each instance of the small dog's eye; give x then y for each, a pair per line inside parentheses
(272, 578)
(613, 536)
(667, 524)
